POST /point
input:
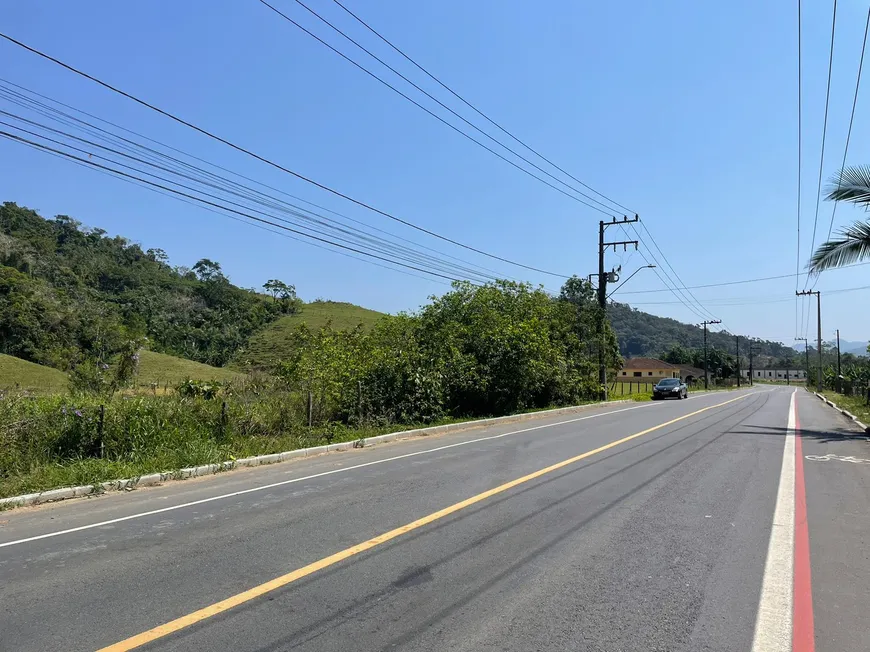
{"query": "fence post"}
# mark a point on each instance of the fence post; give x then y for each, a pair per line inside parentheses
(310, 408)
(102, 419)
(360, 400)
(223, 423)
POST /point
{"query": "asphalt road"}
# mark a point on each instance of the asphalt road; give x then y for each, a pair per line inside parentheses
(638, 527)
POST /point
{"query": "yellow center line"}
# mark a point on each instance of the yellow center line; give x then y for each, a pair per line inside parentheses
(246, 596)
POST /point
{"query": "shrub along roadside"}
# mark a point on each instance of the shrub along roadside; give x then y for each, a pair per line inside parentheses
(499, 349)
(52, 442)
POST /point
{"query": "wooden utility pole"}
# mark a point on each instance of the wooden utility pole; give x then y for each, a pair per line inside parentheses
(603, 278)
(751, 352)
(737, 343)
(706, 363)
(819, 324)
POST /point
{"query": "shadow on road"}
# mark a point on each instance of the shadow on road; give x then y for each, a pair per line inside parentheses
(822, 436)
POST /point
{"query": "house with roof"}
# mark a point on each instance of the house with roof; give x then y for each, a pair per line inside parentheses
(652, 370)
(647, 370)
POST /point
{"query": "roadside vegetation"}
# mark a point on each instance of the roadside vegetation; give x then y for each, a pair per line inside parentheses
(857, 405)
(125, 365)
(277, 340)
(474, 352)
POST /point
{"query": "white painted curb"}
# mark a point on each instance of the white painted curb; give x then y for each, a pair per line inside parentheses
(845, 413)
(211, 469)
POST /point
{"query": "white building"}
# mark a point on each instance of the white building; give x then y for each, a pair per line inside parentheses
(775, 374)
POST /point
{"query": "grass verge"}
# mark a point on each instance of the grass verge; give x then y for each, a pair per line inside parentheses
(854, 404)
(52, 442)
(57, 441)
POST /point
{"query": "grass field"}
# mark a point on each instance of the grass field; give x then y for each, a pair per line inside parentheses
(18, 374)
(154, 368)
(168, 370)
(273, 342)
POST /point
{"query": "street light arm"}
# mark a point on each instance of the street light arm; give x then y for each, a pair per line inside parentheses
(616, 289)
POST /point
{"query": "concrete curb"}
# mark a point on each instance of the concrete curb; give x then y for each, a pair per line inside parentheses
(210, 469)
(845, 413)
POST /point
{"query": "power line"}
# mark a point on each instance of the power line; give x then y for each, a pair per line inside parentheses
(664, 282)
(749, 280)
(608, 212)
(824, 133)
(377, 244)
(52, 112)
(368, 243)
(748, 301)
(668, 283)
(270, 162)
(246, 222)
(607, 209)
(677, 276)
(797, 324)
(213, 204)
(851, 121)
(478, 111)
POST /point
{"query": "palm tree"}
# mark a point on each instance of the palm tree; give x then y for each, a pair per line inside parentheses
(853, 243)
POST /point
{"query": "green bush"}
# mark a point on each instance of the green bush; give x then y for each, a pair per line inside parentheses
(476, 351)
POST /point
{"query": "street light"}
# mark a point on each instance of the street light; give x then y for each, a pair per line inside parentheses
(629, 278)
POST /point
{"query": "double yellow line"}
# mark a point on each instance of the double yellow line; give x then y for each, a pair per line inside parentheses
(246, 596)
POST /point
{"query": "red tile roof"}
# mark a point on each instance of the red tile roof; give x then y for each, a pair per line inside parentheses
(648, 363)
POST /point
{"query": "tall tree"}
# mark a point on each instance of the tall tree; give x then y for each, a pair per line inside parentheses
(208, 270)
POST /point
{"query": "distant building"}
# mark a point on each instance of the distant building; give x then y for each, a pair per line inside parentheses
(691, 374)
(775, 374)
(653, 370)
(647, 370)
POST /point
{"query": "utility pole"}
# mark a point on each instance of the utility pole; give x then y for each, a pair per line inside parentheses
(839, 382)
(819, 322)
(807, 354)
(737, 342)
(751, 352)
(603, 278)
(707, 364)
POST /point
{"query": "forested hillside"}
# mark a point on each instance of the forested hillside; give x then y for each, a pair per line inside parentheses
(642, 334)
(70, 295)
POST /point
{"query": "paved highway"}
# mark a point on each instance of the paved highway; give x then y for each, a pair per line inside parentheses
(704, 524)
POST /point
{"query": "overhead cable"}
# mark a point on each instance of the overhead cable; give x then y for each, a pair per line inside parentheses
(270, 162)
(478, 111)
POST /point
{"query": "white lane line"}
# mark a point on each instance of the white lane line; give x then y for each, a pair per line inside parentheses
(242, 492)
(773, 624)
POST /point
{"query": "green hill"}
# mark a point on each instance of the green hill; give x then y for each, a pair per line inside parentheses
(159, 368)
(642, 334)
(70, 294)
(273, 343)
(167, 369)
(18, 374)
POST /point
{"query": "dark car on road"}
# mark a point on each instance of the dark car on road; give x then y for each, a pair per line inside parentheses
(670, 388)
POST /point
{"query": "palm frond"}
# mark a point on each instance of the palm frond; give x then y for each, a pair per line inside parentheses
(852, 246)
(851, 184)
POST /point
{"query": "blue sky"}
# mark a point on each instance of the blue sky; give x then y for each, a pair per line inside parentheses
(683, 111)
